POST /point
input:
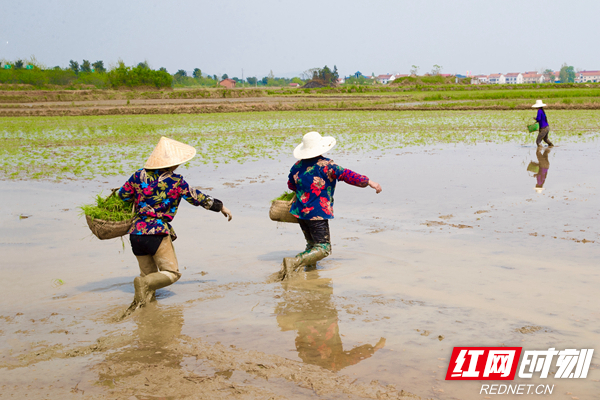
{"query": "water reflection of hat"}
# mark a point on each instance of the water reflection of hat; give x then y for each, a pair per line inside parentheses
(168, 153)
(538, 104)
(313, 144)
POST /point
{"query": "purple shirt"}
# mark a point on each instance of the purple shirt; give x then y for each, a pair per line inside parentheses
(541, 118)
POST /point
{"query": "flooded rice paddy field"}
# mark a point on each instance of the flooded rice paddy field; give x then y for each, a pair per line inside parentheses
(458, 250)
(64, 148)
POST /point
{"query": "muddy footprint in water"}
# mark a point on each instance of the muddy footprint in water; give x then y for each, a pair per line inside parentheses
(289, 272)
(528, 329)
(286, 272)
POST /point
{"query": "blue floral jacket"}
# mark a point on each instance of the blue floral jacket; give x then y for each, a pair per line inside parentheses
(156, 195)
(314, 181)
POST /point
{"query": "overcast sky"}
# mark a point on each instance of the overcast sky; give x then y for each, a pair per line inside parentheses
(288, 37)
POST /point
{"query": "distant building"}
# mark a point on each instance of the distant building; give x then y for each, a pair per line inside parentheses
(498, 79)
(358, 74)
(341, 80)
(587, 76)
(556, 76)
(514, 78)
(228, 83)
(533, 77)
(479, 79)
(294, 84)
(385, 78)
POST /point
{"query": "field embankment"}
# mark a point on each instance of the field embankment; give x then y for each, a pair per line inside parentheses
(202, 101)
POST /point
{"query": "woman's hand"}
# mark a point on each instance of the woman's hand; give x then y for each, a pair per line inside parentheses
(375, 186)
(225, 211)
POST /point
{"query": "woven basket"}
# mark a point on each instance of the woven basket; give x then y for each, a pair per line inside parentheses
(280, 211)
(103, 229)
(108, 229)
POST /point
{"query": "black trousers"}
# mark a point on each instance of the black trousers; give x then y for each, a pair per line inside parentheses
(145, 245)
(316, 231)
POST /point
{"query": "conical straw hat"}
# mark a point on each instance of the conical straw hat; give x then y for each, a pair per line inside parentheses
(168, 153)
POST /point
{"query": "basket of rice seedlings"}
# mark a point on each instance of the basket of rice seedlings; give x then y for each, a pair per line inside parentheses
(280, 208)
(110, 217)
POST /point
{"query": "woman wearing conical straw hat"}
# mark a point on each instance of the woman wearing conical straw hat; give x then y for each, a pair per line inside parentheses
(543, 121)
(313, 178)
(156, 192)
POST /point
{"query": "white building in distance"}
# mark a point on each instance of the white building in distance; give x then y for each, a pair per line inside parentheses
(497, 79)
(587, 76)
(514, 77)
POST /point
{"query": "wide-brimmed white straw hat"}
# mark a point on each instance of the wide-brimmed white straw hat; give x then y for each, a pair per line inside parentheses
(168, 153)
(539, 189)
(538, 104)
(313, 144)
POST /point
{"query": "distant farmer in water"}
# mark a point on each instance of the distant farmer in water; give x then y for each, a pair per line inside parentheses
(543, 121)
(313, 179)
(156, 192)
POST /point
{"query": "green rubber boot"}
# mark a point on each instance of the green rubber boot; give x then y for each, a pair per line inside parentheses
(309, 247)
(318, 252)
(308, 257)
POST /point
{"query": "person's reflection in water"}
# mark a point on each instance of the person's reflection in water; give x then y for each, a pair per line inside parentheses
(157, 328)
(308, 308)
(543, 165)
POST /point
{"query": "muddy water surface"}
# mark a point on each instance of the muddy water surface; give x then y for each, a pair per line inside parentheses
(458, 250)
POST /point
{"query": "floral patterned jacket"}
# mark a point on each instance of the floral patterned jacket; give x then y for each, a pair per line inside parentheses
(314, 181)
(156, 195)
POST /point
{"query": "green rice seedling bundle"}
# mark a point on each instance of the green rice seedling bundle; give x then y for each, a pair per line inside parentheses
(285, 196)
(109, 218)
(110, 208)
